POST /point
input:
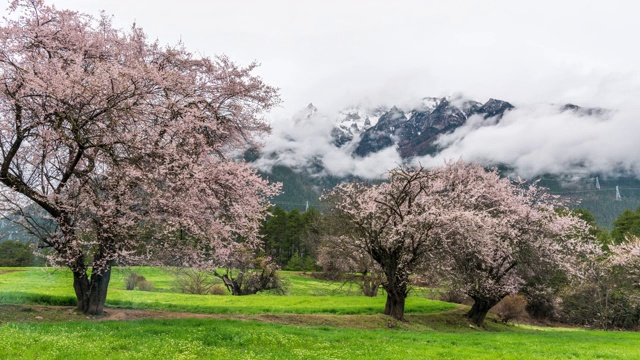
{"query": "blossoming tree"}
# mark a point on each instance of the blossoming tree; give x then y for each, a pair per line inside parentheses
(398, 223)
(502, 233)
(107, 137)
(482, 231)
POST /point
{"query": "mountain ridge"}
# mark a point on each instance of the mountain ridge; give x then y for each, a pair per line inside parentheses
(359, 133)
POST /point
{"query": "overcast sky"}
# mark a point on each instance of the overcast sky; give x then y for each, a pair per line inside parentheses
(332, 52)
(337, 53)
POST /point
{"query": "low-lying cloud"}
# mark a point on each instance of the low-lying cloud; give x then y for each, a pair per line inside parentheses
(544, 139)
(532, 139)
(305, 143)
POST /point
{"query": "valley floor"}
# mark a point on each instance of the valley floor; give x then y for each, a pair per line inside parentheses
(149, 325)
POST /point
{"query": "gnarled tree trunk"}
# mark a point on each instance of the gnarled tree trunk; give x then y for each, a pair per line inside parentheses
(91, 292)
(480, 309)
(395, 305)
(397, 291)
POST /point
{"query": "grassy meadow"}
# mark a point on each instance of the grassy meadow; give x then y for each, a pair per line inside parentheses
(316, 320)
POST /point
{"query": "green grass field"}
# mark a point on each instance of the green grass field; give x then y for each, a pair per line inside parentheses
(319, 320)
(54, 287)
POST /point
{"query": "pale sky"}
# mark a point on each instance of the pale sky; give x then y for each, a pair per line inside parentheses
(334, 53)
(339, 53)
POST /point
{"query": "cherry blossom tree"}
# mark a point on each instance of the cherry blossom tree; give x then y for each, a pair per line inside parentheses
(111, 145)
(475, 228)
(398, 223)
(502, 233)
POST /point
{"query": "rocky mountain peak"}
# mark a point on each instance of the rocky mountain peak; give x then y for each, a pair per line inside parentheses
(413, 131)
(305, 113)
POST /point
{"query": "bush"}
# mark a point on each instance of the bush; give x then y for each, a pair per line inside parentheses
(541, 293)
(295, 263)
(453, 294)
(252, 281)
(601, 306)
(193, 281)
(218, 290)
(606, 299)
(133, 280)
(145, 285)
(511, 308)
(309, 264)
(542, 304)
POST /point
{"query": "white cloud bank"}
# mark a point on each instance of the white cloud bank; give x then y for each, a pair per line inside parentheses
(305, 143)
(542, 139)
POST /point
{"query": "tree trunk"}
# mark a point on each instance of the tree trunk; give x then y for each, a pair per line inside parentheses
(395, 304)
(82, 288)
(479, 310)
(98, 295)
(91, 294)
(396, 284)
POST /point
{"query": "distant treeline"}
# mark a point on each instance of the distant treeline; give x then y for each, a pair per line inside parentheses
(289, 237)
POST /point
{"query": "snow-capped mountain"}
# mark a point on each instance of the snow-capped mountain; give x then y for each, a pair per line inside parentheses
(412, 130)
(353, 121)
(319, 149)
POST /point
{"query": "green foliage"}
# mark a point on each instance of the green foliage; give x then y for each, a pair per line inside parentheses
(294, 263)
(627, 223)
(542, 294)
(309, 264)
(297, 263)
(288, 237)
(14, 253)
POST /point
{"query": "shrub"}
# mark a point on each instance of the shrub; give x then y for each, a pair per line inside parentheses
(607, 298)
(309, 264)
(453, 294)
(601, 305)
(252, 281)
(218, 290)
(193, 281)
(542, 303)
(145, 285)
(511, 308)
(295, 263)
(133, 280)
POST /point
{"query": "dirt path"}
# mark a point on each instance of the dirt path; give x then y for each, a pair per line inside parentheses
(8, 271)
(37, 313)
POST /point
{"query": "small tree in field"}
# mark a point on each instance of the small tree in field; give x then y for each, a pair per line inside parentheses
(502, 233)
(107, 136)
(397, 223)
(244, 274)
